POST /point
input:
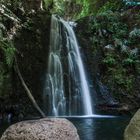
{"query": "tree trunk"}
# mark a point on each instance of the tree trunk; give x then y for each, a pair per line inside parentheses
(27, 90)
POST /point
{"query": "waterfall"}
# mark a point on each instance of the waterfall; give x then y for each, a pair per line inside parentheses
(66, 90)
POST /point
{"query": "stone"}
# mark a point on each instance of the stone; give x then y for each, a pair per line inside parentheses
(132, 132)
(43, 129)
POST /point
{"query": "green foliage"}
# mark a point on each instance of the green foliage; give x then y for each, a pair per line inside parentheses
(57, 6)
(12, 4)
(109, 59)
(85, 8)
(8, 50)
(111, 6)
(9, 55)
(88, 7)
(47, 3)
(93, 7)
(117, 39)
(128, 61)
(118, 78)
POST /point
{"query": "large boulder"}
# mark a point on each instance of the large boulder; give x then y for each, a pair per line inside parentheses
(43, 129)
(132, 132)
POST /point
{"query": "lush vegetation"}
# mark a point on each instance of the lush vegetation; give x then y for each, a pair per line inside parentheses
(112, 28)
(114, 35)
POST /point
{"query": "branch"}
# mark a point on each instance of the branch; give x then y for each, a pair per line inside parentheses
(27, 90)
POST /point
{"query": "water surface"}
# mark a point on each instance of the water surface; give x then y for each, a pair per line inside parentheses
(100, 128)
(95, 127)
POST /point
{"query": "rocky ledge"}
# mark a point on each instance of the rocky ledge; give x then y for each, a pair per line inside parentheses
(43, 129)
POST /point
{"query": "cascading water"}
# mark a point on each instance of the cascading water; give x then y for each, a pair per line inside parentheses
(66, 90)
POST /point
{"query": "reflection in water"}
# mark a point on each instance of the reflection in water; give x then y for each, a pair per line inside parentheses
(100, 128)
(89, 127)
(85, 128)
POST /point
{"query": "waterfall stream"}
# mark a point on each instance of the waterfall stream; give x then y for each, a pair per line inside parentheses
(66, 90)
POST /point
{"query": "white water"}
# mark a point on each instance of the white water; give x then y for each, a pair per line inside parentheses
(75, 48)
(66, 84)
(88, 116)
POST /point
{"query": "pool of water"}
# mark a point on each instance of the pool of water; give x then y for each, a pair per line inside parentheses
(100, 128)
(95, 128)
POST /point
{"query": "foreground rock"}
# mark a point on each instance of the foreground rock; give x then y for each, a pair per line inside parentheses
(132, 132)
(43, 129)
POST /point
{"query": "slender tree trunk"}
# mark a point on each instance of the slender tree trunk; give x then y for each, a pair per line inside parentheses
(27, 90)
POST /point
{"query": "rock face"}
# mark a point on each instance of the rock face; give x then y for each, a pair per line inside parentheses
(132, 132)
(43, 129)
